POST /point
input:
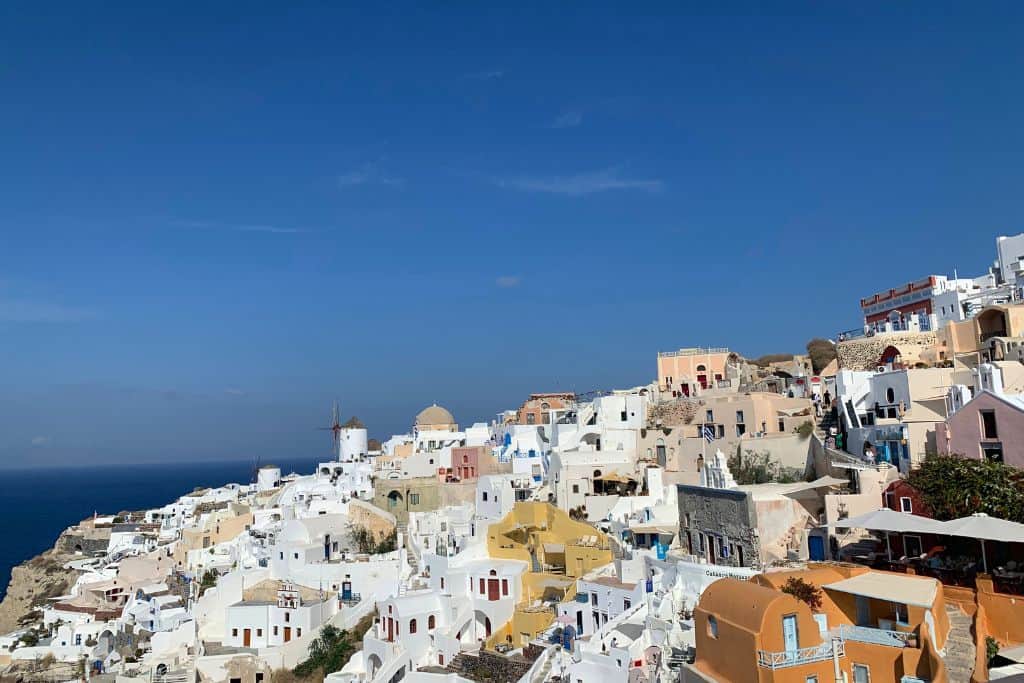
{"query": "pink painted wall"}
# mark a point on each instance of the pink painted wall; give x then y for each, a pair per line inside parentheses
(964, 435)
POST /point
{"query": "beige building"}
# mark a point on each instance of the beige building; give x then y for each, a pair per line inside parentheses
(220, 526)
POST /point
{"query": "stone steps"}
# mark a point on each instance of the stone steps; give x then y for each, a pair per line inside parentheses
(960, 649)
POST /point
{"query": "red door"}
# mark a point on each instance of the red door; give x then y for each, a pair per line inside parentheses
(492, 590)
(287, 633)
(391, 630)
(247, 637)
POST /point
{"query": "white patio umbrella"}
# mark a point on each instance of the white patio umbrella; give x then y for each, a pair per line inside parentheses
(891, 521)
(984, 528)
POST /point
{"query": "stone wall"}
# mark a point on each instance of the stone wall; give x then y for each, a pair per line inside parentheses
(865, 352)
(489, 666)
(725, 513)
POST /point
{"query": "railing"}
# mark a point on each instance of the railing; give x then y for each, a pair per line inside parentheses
(692, 352)
(876, 636)
(817, 653)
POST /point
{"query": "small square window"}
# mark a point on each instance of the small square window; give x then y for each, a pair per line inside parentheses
(906, 505)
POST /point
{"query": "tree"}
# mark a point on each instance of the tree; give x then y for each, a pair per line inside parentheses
(954, 486)
(209, 580)
(752, 468)
(29, 639)
(769, 358)
(327, 653)
(803, 591)
(822, 352)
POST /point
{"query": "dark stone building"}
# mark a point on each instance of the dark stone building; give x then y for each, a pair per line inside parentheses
(719, 525)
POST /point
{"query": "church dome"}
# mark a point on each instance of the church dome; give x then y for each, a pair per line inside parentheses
(434, 415)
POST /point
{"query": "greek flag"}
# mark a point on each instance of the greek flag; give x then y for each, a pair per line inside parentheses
(709, 433)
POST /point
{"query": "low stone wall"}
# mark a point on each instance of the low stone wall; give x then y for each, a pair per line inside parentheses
(489, 666)
(864, 353)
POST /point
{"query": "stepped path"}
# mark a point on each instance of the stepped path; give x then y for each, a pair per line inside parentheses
(960, 648)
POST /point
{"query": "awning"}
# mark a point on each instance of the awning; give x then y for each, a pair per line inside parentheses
(653, 529)
(890, 520)
(900, 588)
(614, 477)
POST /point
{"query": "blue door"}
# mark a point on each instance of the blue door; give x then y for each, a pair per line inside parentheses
(816, 547)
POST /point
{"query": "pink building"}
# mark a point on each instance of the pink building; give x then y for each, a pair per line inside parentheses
(989, 426)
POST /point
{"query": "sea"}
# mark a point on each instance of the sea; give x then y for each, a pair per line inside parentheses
(36, 505)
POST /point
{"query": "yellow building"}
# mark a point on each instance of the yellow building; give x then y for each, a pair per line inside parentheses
(558, 551)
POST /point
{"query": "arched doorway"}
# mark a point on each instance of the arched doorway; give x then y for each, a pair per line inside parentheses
(373, 664)
(702, 376)
(394, 500)
(482, 625)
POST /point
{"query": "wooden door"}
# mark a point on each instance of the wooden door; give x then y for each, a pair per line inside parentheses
(247, 637)
(287, 633)
(493, 593)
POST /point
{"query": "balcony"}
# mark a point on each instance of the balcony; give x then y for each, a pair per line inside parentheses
(875, 636)
(807, 655)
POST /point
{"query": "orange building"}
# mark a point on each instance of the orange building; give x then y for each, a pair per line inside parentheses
(870, 626)
(686, 371)
(534, 410)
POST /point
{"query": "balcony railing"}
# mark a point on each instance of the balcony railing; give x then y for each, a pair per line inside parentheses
(807, 655)
(876, 636)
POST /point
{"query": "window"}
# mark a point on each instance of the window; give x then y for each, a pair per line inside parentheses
(295, 555)
(298, 632)
(282, 554)
(442, 586)
(626, 603)
(431, 621)
(482, 591)
(287, 617)
(741, 429)
(412, 626)
(259, 677)
(782, 425)
(575, 488)
(739, 416)
(483, 496)
(890, 395)
(992, 452)
(906, 505)
(531, 419)
(234, 633)
(811, 679)
(709, 416)
(504, 586)
(593, 598)
(861, 673)
(900, 612)
(721, 431)
(623, 416)
(414, 499)
(275, 630)
(988, 424)
(259, 633)
(712, 626)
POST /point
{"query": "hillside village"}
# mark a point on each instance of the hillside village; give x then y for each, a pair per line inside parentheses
(814, 517)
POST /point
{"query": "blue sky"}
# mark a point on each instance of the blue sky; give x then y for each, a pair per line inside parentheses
(214, 220)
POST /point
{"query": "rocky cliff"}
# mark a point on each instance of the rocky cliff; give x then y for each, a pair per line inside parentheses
(33, 582)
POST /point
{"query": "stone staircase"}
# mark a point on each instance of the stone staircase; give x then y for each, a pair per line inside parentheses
(960, 650)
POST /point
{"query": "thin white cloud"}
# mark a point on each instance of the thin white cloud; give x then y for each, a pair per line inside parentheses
(368, 174)
(41, 440)
(238, 227)
(581, 184)
(508, 281)
(567, 119)
(490, 75)
(24, 311)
